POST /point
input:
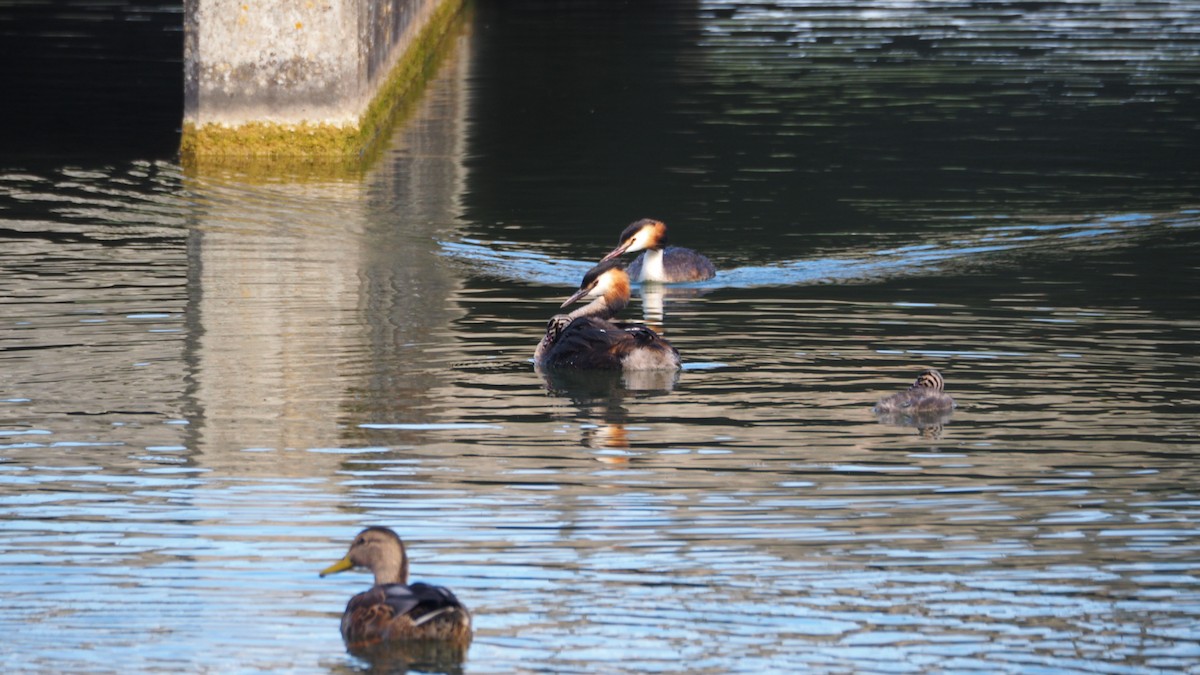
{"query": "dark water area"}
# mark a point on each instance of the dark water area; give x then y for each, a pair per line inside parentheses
(211, 379)
(838, 116)
(95, 80)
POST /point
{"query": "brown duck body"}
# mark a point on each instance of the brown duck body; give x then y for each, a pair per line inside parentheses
(393, 610)
(587, 338)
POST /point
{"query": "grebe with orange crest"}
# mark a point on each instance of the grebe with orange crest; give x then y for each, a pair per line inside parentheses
(587, 338)
(660, 262)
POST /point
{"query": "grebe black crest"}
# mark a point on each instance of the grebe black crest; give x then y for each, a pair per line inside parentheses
(588, 339)
(925, 395)
(660, 262)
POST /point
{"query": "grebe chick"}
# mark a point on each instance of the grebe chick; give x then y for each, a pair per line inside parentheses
(394, 610)
(592, 341)
(554, 328)
(924, 396)
(661, 263)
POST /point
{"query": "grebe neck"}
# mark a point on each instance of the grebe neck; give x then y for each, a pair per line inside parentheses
(604, 307)
(652, 266)
(601, 308)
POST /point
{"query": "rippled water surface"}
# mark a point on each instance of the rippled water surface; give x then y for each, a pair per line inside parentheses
(212, 379)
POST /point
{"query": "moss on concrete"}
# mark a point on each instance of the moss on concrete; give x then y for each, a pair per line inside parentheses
(345, 149)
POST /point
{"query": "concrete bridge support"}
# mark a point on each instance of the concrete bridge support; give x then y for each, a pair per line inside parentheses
(288, 78)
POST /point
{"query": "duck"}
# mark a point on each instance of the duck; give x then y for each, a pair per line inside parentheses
(394, 610)
(587, 338)
(925, 396)
(660, 263)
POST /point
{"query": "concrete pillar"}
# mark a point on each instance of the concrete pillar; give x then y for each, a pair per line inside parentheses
(301, 77)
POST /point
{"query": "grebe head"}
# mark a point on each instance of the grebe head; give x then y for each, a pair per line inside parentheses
(608, 281)
(930, 379)
(643, 234)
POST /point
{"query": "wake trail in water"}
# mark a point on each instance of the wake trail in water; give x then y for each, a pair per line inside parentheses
(983, 247)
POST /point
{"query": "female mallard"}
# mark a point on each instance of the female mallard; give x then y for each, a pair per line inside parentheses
(924, 396)
(393, 609)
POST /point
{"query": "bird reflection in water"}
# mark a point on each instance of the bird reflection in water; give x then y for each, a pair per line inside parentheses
(654, 298)
(424, 656)
(597, 363)
(582, 385)
(599, 398)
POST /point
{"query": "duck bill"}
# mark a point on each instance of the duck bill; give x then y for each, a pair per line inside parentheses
(578, 294)
(615, 252)
(339, 566)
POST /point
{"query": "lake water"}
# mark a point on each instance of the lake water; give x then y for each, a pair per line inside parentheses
(211, 379)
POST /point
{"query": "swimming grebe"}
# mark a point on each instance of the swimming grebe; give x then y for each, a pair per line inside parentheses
(924, 396)
(588, 339)
(393, 609)
(661, 263)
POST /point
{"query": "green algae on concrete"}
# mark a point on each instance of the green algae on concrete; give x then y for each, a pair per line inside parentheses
(344, 148)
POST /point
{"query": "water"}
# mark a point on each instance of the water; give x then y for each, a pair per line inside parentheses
(212, 380)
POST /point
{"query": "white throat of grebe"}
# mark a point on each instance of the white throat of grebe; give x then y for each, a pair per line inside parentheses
(653, 268)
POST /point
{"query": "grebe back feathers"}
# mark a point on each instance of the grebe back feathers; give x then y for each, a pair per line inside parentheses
(592, 340)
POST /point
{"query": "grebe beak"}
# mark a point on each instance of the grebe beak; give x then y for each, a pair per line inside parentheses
(578, 294)
(617, 251)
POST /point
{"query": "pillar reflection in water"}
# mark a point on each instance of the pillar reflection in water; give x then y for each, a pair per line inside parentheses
(305, 295)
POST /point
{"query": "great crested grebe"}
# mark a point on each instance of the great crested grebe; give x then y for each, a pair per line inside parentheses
(394, 610)
(924, 396)
(588, 339)
(661, 263)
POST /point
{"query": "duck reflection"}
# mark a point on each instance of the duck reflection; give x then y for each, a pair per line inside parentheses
(424, 656)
